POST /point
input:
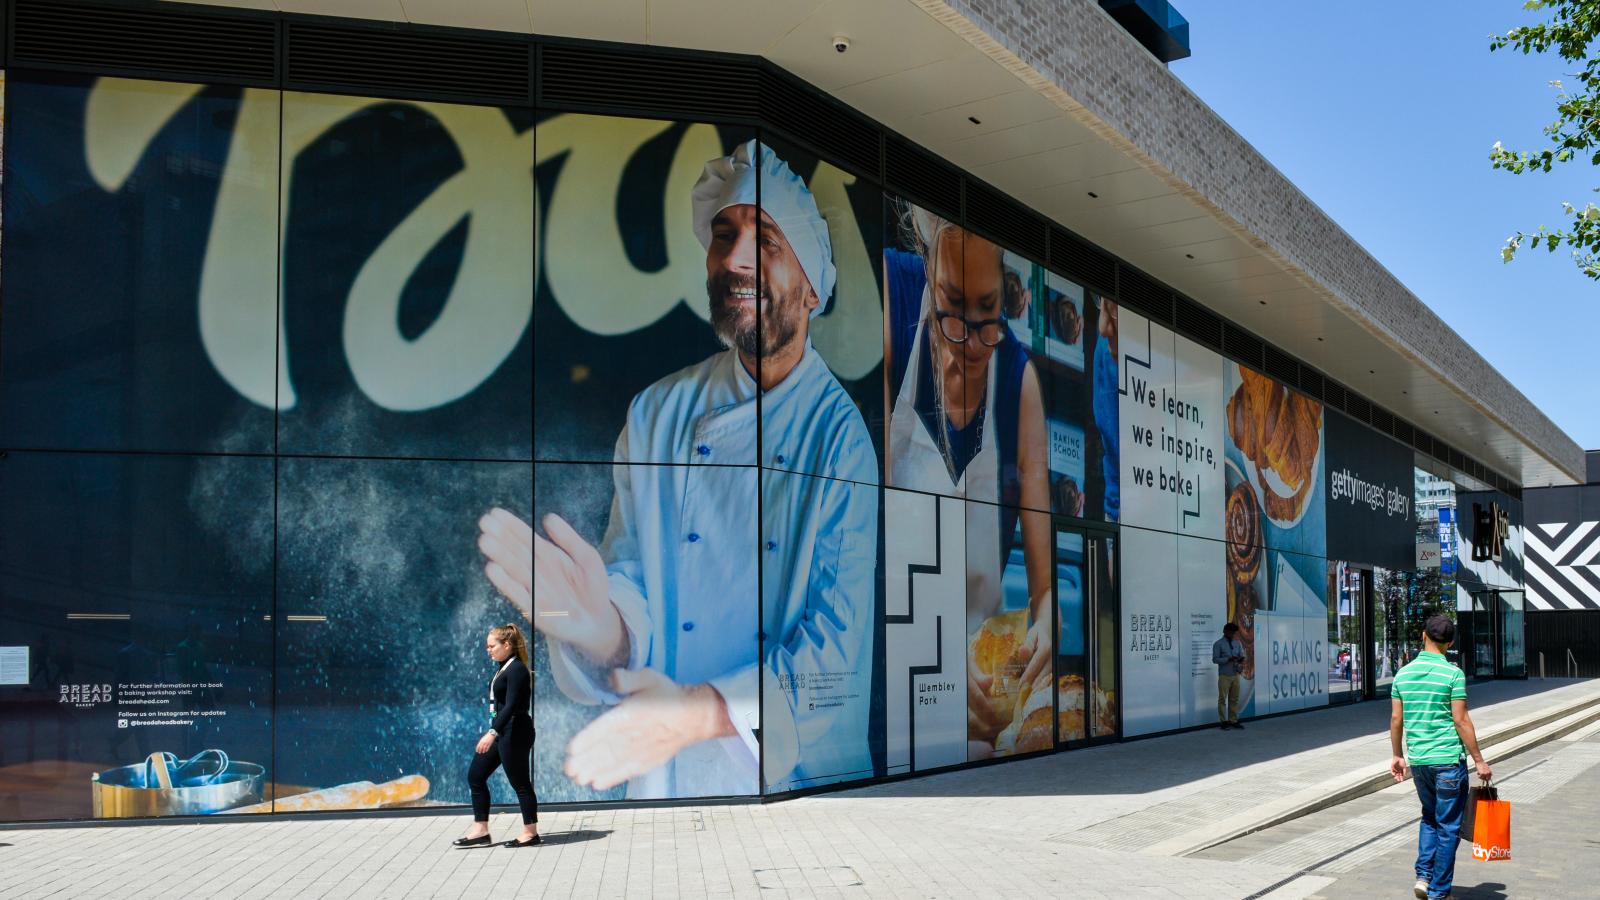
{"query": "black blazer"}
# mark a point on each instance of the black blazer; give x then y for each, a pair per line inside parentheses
(513, 695)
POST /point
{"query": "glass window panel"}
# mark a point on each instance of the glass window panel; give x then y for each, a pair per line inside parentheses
(407, 279)
(621, 310)
(819, 224)
(940, 423)
(1284, 466)
(1513, 641)
(820, 618)
(141, 588)
(1010, 630)
(383, 603)
(1104, 391)
(925, 651)
(141, 259)
(1150, 658)
(1107, 602)
(681, 555)
(1072, 641)
(1344, 633)
(1209, 597)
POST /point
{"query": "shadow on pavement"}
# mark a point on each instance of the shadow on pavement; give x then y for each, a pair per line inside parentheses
(1488, 890)
(1151, 764)
(576, 836)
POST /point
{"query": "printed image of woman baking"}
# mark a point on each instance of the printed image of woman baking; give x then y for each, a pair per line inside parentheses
(967, 419)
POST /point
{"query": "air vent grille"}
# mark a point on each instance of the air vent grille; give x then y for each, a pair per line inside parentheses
(619, 81)
(1423, 441)
(1334, 394)
(993, 213)
(1198, 323)
(1143, 294)
(1242, 346)
(395, 62)
(1382, 419)
(1359, 407)
(1082, 260)
(1404, 433)
(1311, 381)
(1281, 365)
(802, 115)
(169, 43)
(922, 177)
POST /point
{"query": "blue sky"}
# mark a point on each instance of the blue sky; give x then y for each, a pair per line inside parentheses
(1383, 113)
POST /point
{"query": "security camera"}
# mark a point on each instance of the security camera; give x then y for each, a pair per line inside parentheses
(841, 43)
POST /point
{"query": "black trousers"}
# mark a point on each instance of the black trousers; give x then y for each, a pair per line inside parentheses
(514, 750)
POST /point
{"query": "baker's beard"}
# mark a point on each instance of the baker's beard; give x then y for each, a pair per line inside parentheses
(735, 324)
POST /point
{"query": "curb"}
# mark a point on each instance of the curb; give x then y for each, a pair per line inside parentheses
(1504, 742)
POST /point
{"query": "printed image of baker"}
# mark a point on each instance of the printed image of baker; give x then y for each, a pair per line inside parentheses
(660, 622)
(968, 420)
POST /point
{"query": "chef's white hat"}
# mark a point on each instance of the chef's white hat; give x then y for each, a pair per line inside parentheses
(731, 180)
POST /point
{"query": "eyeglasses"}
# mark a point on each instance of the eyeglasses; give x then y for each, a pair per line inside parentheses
(956, 328)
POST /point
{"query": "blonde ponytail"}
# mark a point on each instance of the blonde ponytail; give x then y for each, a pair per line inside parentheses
(509, 633)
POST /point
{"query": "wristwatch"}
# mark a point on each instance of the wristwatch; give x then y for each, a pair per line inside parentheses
(493, 732)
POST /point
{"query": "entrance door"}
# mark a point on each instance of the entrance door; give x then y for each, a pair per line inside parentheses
(1513, 650)
(1369, 647)
(1485, 629)
(1346, 673)
(1086, 636)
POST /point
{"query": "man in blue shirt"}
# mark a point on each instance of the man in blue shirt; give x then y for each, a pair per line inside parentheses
(661, 621)
(1228, 653)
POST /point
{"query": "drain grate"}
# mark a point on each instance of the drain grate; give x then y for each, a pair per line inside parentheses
(808, 878)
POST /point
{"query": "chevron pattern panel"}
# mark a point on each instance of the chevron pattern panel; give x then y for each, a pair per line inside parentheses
(1563, 563)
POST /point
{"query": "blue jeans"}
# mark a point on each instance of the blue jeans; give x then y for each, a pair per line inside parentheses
(1443, 792)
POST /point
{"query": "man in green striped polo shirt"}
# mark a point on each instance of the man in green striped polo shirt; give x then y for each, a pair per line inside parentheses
(1430, 712)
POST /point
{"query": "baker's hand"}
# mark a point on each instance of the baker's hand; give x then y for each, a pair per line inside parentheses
(565, 573)
(1035, 650)
(985, 718)
(485, 742)
(656, 720)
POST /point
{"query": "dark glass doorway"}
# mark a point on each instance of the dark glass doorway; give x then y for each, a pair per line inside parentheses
(1499, 641)
(1088, 708)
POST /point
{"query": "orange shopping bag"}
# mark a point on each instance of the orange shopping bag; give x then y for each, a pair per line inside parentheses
(1491, 826)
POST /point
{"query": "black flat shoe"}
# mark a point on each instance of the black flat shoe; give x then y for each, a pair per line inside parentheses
(479, 841)
(516, 843)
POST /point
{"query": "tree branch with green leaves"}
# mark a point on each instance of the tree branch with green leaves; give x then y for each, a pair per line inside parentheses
(1571, 30)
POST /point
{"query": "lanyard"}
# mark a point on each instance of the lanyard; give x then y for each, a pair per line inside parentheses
(497, 678)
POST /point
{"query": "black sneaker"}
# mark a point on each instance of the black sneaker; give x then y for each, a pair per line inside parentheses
(1238, 725)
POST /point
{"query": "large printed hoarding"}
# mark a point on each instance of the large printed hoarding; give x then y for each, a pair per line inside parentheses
(746, 585)
(764, 460)
(1222, 476)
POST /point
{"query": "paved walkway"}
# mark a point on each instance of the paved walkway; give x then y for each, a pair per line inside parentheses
(1071, 824)
(1366, 848)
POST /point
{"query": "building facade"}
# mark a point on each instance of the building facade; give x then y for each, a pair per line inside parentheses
(805, 456)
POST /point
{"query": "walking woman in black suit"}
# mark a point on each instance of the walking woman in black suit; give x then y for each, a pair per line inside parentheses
(508, 742)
